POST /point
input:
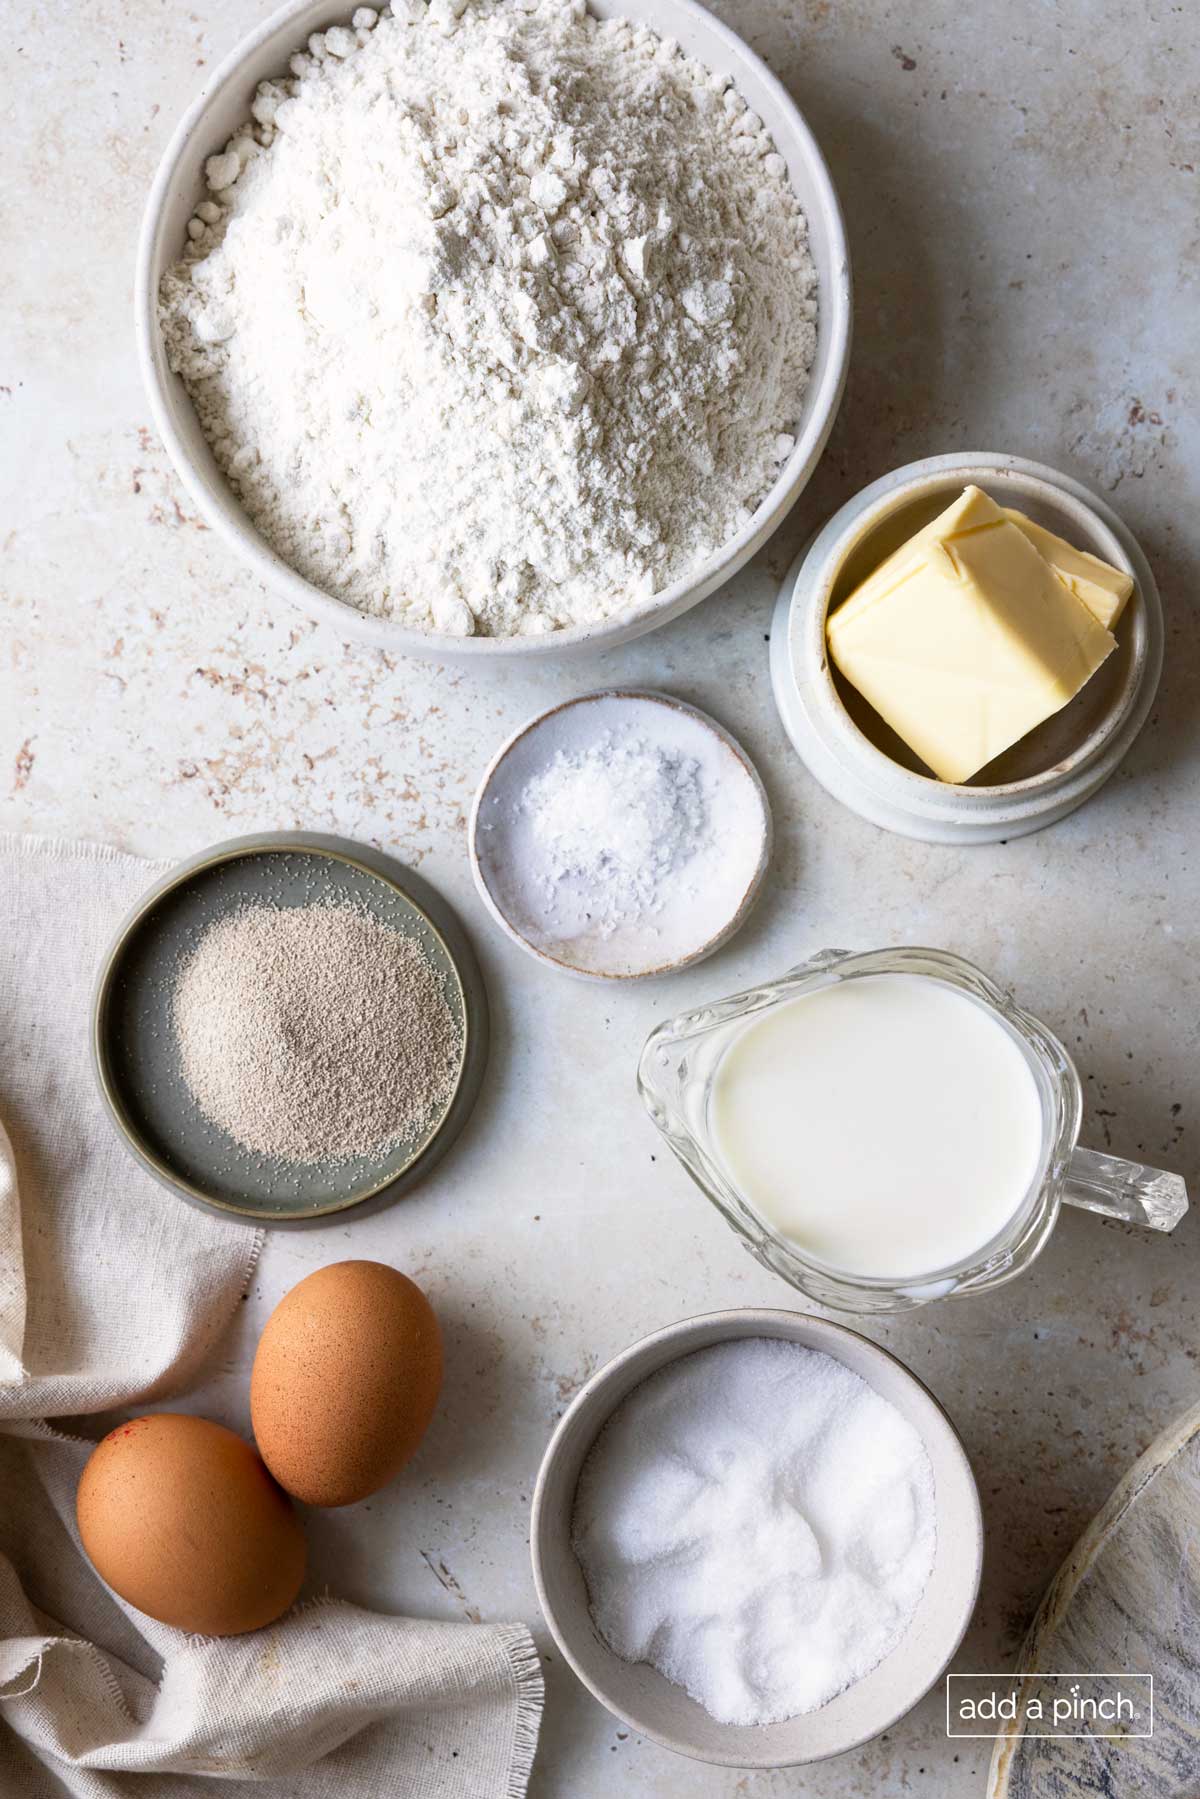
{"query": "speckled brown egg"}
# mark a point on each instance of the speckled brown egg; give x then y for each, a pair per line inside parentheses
(345, 1380)
(182, 1519)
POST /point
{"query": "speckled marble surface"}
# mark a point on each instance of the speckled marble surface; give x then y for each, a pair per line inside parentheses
(1022, 207)
(1124, 1598)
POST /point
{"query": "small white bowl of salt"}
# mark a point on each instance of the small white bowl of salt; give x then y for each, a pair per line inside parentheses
(621, 835)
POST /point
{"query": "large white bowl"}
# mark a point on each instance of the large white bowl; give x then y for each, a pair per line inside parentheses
(224, 103)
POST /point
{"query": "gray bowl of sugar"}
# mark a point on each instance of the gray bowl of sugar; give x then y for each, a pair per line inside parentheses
(597, 1517)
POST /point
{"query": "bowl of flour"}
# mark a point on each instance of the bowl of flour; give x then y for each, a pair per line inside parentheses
(493, 327)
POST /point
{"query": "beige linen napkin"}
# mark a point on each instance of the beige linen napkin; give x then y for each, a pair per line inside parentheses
(113, 1293)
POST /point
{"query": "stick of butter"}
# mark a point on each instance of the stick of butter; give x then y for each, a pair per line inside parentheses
(965, 639)
(1103, 589)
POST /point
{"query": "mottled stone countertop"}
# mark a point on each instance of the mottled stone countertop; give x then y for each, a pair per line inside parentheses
(1022, 193)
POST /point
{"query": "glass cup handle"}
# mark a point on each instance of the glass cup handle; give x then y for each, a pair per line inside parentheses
(1147, 1196)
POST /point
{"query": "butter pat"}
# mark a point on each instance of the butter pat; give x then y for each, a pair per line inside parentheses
(1103, 589)
(965, 639)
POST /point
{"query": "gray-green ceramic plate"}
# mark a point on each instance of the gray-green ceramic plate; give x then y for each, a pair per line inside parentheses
(137, 1060)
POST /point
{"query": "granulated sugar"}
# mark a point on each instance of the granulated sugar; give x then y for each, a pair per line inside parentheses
(498, 317)
(314, 1033)
(758, 1524)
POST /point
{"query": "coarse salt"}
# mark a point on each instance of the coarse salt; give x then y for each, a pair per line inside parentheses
(623, 817)
(620, 834)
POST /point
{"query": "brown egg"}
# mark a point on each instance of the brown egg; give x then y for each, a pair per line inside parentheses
(181, 1519)
(345, 1380)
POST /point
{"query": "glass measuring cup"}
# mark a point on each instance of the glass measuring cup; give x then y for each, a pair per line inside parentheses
(675, 1079)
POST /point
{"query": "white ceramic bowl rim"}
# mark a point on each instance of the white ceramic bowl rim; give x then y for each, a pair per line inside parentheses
(222, 511)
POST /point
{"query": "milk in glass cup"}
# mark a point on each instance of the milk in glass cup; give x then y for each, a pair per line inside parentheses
(886, 1129)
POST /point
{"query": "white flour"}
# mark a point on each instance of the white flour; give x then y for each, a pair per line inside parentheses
(500, 318)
